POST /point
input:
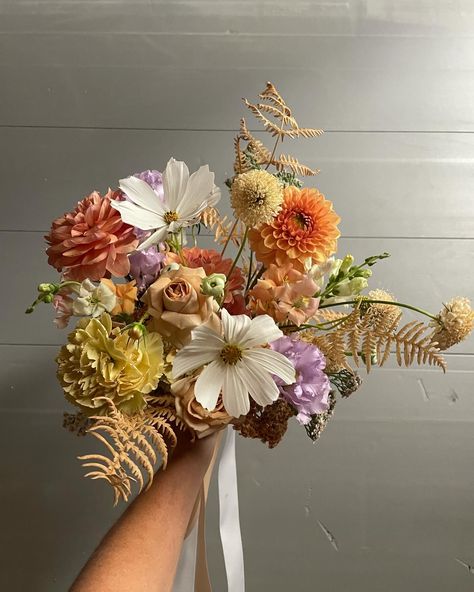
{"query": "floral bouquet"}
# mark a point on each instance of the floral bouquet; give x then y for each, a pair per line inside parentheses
(172, 336)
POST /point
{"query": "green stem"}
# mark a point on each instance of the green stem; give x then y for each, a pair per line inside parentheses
(388, 302)
(249, 278)
(229, 237)
(239, 253)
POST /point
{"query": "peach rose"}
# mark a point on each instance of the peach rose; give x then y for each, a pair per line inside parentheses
(177, 305)
(198, 419)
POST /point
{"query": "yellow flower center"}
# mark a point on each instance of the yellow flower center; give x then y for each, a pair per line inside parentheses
(231, 354)
(170, 217)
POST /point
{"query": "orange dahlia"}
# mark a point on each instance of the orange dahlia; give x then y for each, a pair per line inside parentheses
(305, 227)
(92, 241)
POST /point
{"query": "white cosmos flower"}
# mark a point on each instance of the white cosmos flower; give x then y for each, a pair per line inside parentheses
(236, 364)
(185, 198)
(93, 300)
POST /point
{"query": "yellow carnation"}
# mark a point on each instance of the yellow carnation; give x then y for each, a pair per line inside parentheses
(101, 361)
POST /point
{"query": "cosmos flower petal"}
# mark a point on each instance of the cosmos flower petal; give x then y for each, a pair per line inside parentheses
(199, 188)
(188, 359)
(263, 330)
(206, 338)
(234, 393)
(155, 238)
(209, 385)
(261, 386)
(273, 362)
(141, 194)
(235, 327)
(137, 216)
(175, 180)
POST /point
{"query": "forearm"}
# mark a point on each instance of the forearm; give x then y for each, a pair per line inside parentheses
(141, 552)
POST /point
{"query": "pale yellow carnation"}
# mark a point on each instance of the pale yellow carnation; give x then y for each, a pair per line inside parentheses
(256, 197)
(101, 361)
(453, 323)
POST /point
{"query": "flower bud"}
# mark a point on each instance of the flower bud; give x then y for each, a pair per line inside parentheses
(214, 285)
(358, 284)
(136, 332)
(365, 273)
(346, 263)
(48, 298)
(46, 288)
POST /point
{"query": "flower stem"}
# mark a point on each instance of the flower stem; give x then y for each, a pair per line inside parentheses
(388, 302)
(229, 237)
(249, 278)
(239, 253)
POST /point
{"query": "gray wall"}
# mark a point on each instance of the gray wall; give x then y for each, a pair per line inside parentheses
(93, 90)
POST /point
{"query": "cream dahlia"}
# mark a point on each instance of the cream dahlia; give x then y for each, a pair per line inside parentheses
(256, 197)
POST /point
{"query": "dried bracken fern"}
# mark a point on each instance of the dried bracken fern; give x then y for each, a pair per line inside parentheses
(134, 444)
(277, 119)
(221, 227)
(362, 337)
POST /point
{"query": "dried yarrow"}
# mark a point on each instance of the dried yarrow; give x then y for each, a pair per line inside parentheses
(318, 422)
(268, 424)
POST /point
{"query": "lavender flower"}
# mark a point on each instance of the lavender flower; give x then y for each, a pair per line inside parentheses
(310, 393)
(145, 266)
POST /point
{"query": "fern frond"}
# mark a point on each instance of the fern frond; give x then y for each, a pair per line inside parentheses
(133, 443)
(292, 163)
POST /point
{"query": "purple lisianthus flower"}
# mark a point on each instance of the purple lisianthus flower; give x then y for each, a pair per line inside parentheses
(309, 394)
(145, 266)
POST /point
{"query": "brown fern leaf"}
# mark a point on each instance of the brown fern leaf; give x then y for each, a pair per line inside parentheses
(133, 443)
(292, 163)
(272, 95)
(411, 341)
(260, 152)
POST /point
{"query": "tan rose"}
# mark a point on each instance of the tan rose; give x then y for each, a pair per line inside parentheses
(177, 306)
(202, 421)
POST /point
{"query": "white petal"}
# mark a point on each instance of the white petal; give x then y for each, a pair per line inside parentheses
(155, 238)
(209, 385)
(141, 194)
(261, 386)
(137, 216)
(235, 327)
(234, 393)
(198, 189)
(273, 362)
(175, 180)
(207, 338)
(263, 330)
(204, 348)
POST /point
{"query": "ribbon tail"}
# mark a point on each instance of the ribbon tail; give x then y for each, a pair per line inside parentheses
(231, 537)
(192, 574)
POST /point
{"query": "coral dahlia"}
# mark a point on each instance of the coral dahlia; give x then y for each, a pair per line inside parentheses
(305, 227)
(92, 241)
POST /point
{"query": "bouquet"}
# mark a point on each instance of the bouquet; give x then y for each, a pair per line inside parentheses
(170, 336)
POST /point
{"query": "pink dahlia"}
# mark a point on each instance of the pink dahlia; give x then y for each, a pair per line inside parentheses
(92, 241)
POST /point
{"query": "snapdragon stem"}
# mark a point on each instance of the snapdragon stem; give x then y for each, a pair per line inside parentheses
(388, 302)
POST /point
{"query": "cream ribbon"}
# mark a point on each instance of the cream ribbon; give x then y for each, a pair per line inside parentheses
(192, 574)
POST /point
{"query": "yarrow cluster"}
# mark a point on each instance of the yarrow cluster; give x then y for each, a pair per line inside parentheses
(171, 333)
